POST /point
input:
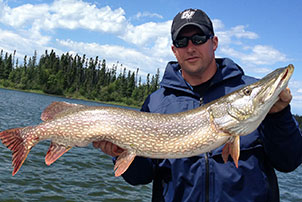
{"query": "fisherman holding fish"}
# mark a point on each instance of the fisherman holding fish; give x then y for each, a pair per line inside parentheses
(189, 135)
(198, 78)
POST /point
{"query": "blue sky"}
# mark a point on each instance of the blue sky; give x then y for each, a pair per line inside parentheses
(258, 35)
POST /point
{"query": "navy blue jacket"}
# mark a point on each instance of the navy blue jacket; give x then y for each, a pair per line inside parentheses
(276, 144)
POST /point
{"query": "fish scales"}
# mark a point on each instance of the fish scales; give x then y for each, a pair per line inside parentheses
(121, 126)
(152, 135)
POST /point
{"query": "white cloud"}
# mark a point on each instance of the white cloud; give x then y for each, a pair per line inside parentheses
(255, 58)
(217, 25)
(240, 32)
(295, 86)
(25, 42)
(263, 55)
(129, 57)
(22, 16)
(67, 14)
(232, 43)
(261, 70)
(84, 15)
(296, 91)
(232, 35)
(296, 104)
(146, 33)
(162, 48)
(147, 14)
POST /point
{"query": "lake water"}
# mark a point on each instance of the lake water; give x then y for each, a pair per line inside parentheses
(82, 174)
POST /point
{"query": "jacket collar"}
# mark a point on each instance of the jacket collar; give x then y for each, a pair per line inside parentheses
(173, 79)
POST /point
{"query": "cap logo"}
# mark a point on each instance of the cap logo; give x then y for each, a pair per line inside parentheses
(187, 14)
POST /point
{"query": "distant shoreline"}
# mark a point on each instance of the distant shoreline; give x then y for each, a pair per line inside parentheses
(71, 97)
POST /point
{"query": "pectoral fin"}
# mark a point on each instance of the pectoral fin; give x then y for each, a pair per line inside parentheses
(123, 162)
(232, 148)
(55, 151)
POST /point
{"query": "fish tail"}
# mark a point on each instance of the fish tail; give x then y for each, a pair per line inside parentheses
(17, 141)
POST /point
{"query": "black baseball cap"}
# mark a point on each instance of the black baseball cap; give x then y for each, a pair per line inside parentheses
(194, 17)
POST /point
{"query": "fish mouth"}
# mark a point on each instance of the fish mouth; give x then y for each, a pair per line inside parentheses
(274, 83)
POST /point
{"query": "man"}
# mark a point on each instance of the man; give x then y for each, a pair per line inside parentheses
(198, 78)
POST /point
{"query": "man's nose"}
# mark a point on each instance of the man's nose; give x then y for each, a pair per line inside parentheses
(191, 47)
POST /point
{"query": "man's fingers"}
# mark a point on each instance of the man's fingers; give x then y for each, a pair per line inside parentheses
(97, 144)
(284, 99)
(116, 150)
(286, 96)
(108, 148)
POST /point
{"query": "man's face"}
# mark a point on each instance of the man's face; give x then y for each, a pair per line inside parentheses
(196, 60)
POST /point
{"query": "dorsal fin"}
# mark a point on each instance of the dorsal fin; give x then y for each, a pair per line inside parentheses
(56, 108)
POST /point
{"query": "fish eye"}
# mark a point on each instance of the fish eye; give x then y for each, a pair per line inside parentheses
(247, 91)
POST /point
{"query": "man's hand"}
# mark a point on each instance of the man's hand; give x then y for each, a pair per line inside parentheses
(284, 99)
(108, 148)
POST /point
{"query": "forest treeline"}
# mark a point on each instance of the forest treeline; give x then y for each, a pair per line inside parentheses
(299, 119)
(76, 76)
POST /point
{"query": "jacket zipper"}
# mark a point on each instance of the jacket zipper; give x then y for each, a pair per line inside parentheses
(207, 180)
(207, 177)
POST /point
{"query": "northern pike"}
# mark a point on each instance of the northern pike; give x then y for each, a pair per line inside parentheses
(152, 135)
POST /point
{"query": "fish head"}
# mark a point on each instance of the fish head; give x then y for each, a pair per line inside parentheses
(245, 108)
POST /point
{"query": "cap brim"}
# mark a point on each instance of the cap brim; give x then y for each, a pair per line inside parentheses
(202, 28)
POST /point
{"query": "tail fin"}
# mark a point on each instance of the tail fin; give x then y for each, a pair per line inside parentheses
(13, 140)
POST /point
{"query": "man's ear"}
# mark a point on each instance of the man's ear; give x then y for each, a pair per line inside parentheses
(173, 48)
(215, 43)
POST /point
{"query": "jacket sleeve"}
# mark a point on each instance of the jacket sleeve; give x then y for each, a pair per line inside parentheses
(282, 140)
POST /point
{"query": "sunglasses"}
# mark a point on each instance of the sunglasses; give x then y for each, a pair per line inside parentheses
(196, 39)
